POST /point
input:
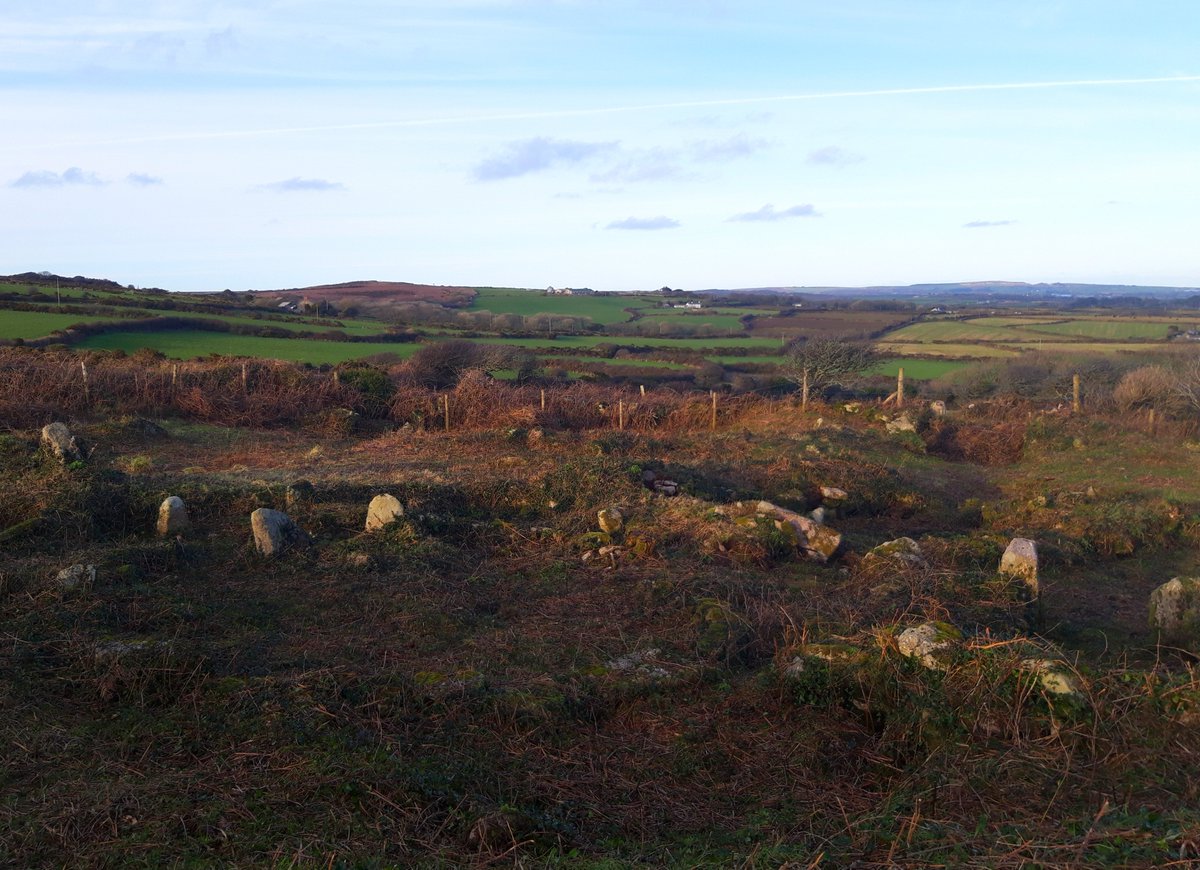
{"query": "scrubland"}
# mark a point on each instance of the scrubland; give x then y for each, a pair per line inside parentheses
(464, 688)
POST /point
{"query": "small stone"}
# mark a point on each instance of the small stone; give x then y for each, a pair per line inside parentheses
(852, 407)
(383, 511)
(76, 577)
(938, 408)
(819, 542)
(173, 517)
(611, 520)
(831, 496)
(1175, 612)
(666, 487)
(902, 550)
(1020, 562)
(929, 643)
(57, 438)
(1055, 679)
(903, 423)
(274, 532)
(299, 495)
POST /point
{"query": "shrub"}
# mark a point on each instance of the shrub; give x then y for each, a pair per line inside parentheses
(1147, 387)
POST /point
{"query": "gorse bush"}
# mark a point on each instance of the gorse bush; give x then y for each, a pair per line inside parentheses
(1148, 387)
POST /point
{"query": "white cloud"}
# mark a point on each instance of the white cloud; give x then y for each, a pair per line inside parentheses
(769, 213)
(635, 223)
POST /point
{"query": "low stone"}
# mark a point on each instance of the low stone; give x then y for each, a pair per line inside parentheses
(611, 520)
(666, 487)
(852, 407)
(642, 663)
(76, 577)
(831, 496)
(1055, 679)
(111, 651)
(903, 423)
(144, 428)
(827, 652)
(930, 643)
(173, 517)
(57, 438)
(1175, 612)
(938, 408)
(1020, 563)
(817, 515)
(275, 533)
(299, 494)
(902, 550)
(819, 543)
(383, 511)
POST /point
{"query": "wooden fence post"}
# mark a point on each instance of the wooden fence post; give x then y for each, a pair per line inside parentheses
(87, 394)
(174, 376)
(804, 390)
(446, 410)
(1076, 403)
(900, 388)
(620, 413)
(245, 379)
(712, 422)
(543, 400)
(642, 387)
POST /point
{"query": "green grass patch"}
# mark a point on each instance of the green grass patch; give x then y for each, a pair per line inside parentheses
(38, 324)
(186, 344)
(918, 369)
(982, 329)
(965, 351)
(602, 309)
(1110, 329)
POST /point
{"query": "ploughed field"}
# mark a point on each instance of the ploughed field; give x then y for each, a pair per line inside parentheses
(501, 674)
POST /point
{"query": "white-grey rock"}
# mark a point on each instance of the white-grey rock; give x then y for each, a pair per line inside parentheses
(173, 517)
(1020, 562)
(57, 438)
(903, 423)
(904, 551)
(112, 651)
(383, 511)
(1175, 612)
(1055, 678)
(929, 643)
(275, 533)
(819, 542)
(76, 578)
(938, 408)
(832, 496)
(817, 515)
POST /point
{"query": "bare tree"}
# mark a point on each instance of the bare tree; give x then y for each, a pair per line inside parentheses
(818, 363)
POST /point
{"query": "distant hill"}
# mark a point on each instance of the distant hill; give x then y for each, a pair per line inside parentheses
(997, 289)
(375, 293)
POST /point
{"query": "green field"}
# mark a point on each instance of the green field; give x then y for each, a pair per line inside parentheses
(1110, 329)
(966, 351)
(601, 309)
(699, 344)
(918, 369)
(716, 320)
(38, 324)
(186, 344)
(982, 329)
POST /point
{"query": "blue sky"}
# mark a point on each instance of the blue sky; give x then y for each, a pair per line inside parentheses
(618, 145)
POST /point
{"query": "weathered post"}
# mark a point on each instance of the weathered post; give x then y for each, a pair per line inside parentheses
(337, 378)
(804, 391)
(446, 411)
(543, 399)
(642, 387)
(1076, 404)
(712, 423)
(1152, 421)
(245, 379)
(900, 388)
(87, 395)
(174, 376)
(620, 413)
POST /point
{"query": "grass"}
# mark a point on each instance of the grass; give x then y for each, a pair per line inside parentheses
(918, 369)
(37, 324)
(981, 329)
(727, 322)
(698, 344)
(1114, 329)
(376, 699)
(601, 309)
(187, 344)
(964, 351)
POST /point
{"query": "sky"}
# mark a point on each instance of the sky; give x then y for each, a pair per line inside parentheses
(619, 145)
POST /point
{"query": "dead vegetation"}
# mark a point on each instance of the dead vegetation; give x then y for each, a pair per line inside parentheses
(463, 689)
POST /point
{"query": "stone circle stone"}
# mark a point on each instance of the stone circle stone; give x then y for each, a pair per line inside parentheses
(57, 438)
(1020, 562)
(173, 517)
(1175, 612)
(275, 533)
(383, 511)
(611, 520)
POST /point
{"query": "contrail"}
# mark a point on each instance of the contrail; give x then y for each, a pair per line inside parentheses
(643, 107)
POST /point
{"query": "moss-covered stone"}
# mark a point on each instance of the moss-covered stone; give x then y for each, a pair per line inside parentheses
(1175, 612)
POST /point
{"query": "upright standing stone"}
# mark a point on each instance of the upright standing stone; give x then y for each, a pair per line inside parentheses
(274, 532)
(383, 511)
(57, 438)
(1175, 611)
(173, 517)
(1020, 562)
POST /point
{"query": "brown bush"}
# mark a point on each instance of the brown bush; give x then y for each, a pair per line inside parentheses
(1147, 387)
